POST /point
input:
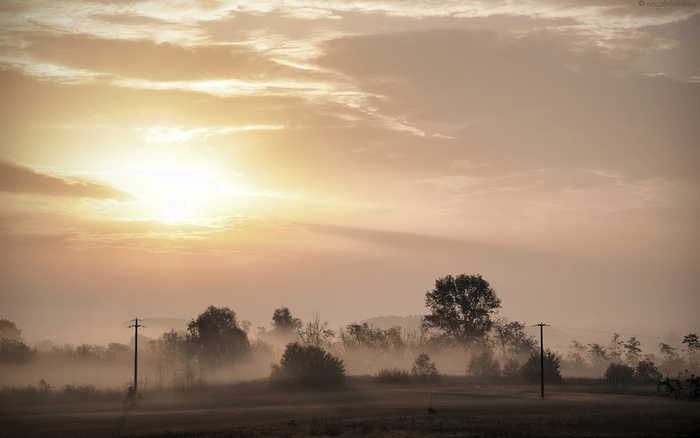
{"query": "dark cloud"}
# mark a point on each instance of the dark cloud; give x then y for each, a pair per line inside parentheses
(19, 179)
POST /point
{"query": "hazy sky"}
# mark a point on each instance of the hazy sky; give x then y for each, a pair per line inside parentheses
(337, 156)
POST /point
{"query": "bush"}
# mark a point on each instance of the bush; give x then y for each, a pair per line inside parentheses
(394, 375)
(552, 368)
(424, 369)
(619, 374)
(484, 365)
(308, 366)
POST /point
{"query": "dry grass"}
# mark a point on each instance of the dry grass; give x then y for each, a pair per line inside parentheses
(367, 409)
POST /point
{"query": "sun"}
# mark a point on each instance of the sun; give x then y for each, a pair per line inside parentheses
(176, 195)
(182, 195)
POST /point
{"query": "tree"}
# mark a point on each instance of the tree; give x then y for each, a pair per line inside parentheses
(647, 372)
(692, 345)
(512, 339)
(672, 362)
(462, 308)
(13, 351)
(217, 337)
(283, 322)
(619, 374)
(576, 352)
(552, 368)
(484, 364)
(365, 336)
(316, 333)
(667, 351)
(615, 348)
(424, 369)
(308, 365)
(8, 330)
(597, 355)
(633, 351)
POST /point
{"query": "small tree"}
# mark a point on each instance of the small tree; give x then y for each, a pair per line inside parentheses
(633, 351)
(552, 368)
(316, 333)
(483, 364)
(365, 336)
(619, 374)
(672, 362)
(646, 372)
(615, 348)
(308, 365)
(424, 369)
(13, 351)
(283, 322)
(8, 330)
(692, 345)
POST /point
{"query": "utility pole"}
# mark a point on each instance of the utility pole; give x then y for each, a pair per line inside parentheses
(541, 326)
(136, 324)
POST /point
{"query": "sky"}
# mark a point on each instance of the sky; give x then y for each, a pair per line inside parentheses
(336, 157)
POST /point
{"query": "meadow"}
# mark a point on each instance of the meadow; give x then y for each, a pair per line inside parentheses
(453, 407)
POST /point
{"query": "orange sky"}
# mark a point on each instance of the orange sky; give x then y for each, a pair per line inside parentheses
(337, 156)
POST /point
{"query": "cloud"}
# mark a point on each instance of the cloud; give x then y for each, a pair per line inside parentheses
(15, 178)
(148, 60)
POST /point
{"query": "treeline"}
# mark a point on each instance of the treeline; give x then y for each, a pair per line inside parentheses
(623, 360)
(461, 333)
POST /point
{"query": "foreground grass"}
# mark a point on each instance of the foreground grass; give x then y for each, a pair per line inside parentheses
(366, 409)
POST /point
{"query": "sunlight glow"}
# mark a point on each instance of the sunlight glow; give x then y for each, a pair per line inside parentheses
(181, 195)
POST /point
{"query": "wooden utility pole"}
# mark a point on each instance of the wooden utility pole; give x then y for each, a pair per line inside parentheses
(136, 324)
(541, 326)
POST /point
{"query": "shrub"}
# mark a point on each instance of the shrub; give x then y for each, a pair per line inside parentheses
(394, 375)
(424, 369)
(552, 368)
(484, 365)
(619, 374)
(308, 366)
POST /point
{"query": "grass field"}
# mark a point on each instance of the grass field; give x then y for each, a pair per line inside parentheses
(366, 409)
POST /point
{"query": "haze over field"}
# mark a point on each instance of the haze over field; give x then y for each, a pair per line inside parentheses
(338, 157)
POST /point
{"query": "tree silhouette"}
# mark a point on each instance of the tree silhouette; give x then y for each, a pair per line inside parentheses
(316, 333)
(283, 322)
(633, 351)
(8, 330)
(365, 336)
(217, 337)
(692, 345)
(424, 368)
(461, 308)
(483, 364)
(512, 339)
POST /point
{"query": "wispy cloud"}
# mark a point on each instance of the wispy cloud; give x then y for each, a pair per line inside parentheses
(172, 134)
(15, 178)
